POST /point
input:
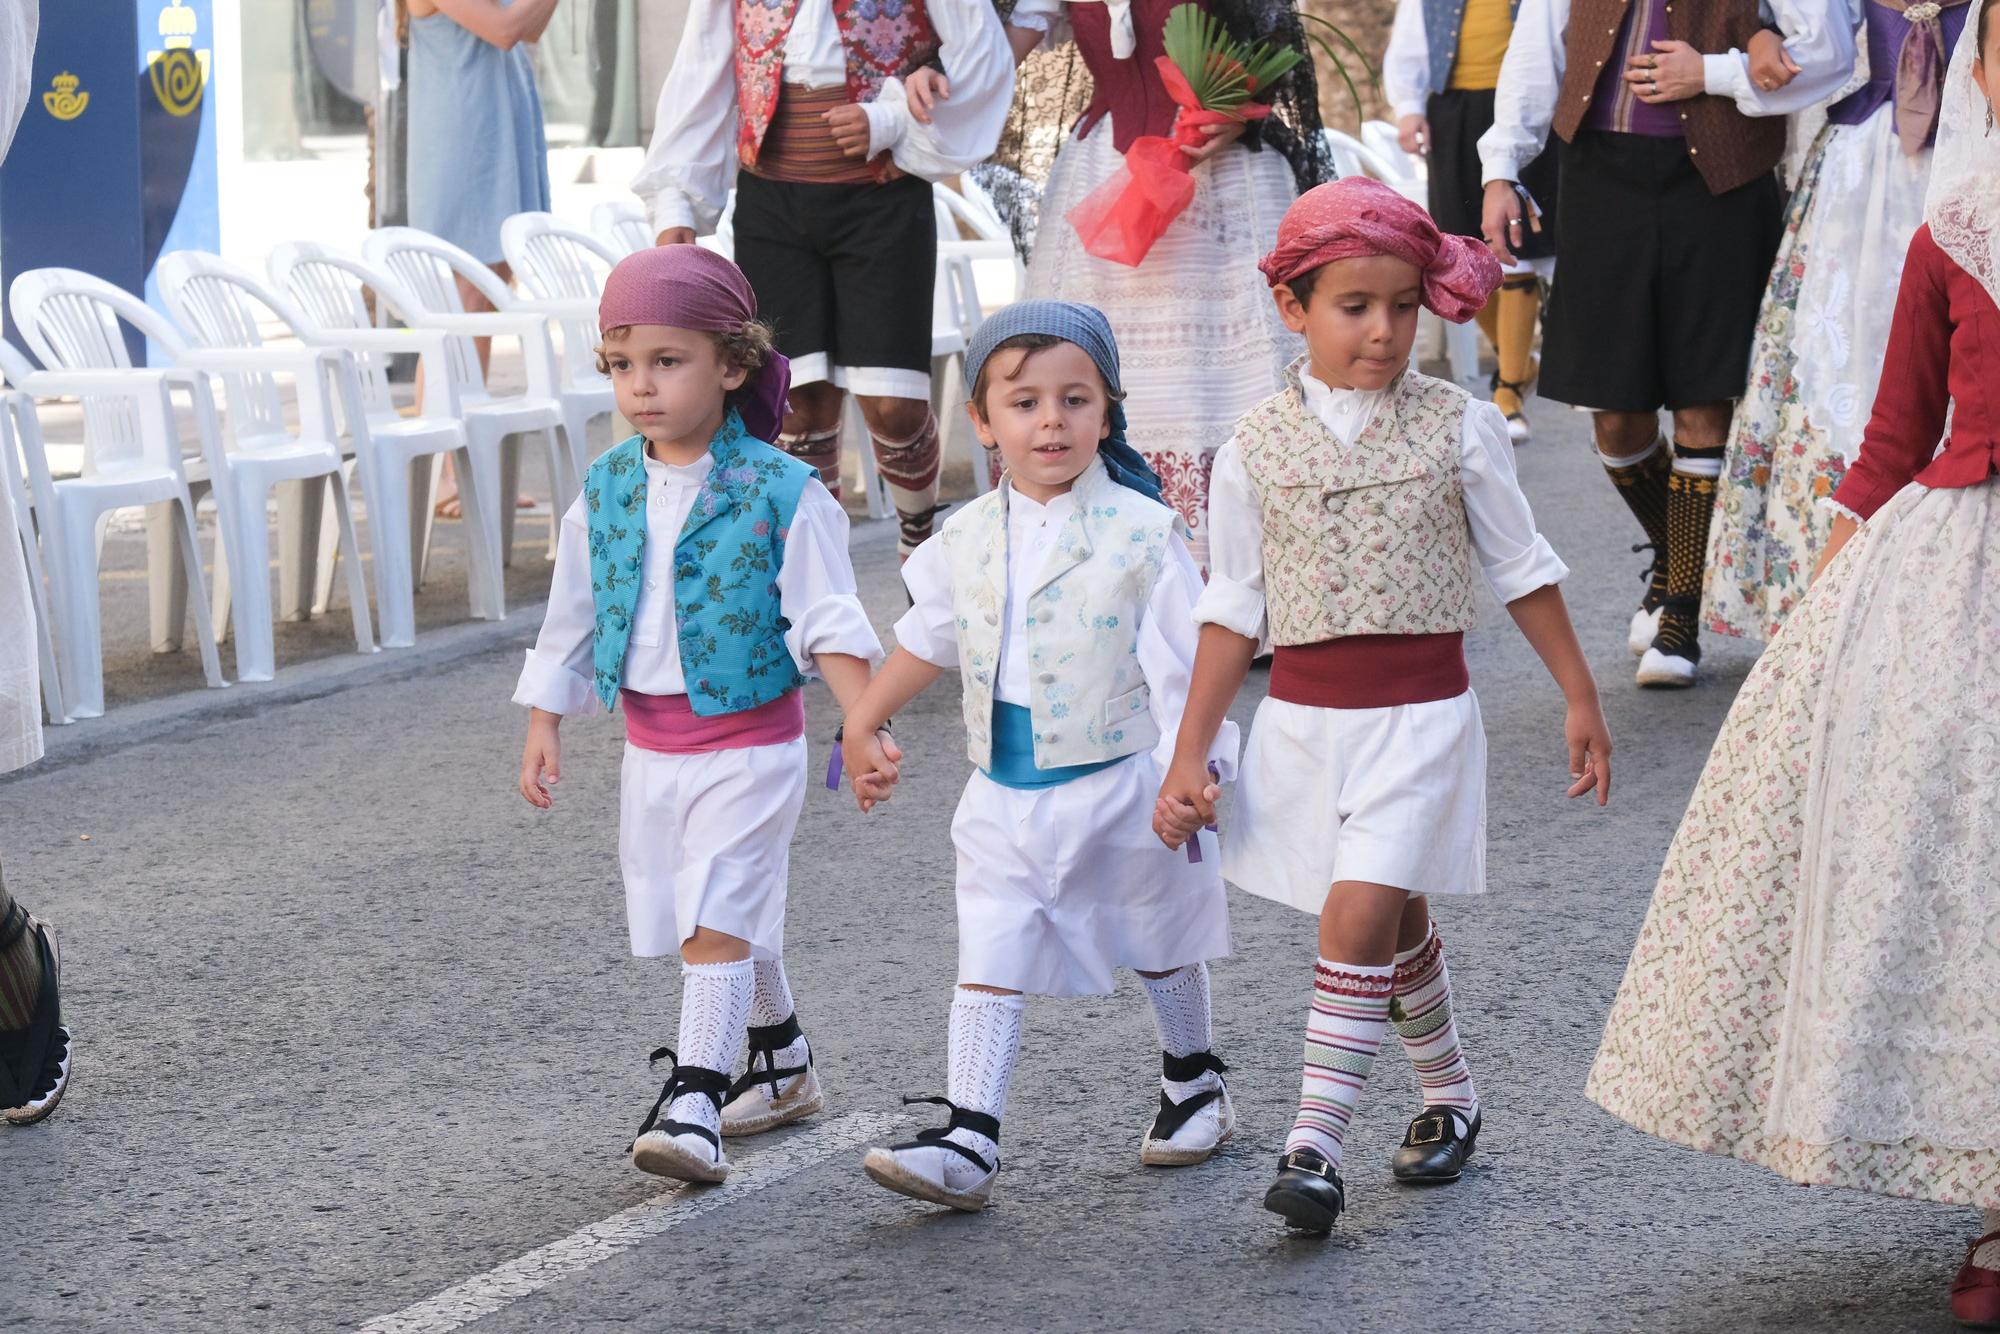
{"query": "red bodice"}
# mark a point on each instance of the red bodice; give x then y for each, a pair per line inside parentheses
(1944, 349)
(1129, 91)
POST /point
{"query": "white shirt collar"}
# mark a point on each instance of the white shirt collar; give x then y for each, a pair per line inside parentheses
(1020, 509)
(1342, 411)
(680, 474)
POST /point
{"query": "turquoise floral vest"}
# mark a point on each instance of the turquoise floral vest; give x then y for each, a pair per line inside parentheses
(726, 562)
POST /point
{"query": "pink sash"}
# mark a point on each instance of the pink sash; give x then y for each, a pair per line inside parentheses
(668, 724)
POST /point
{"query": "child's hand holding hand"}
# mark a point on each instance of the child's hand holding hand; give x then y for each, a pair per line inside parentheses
(541, 756)
(1771, 65)
(1589, 750)
(1186, 804)
(871, 761)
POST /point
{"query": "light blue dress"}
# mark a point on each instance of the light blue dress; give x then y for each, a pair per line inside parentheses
(477, 154)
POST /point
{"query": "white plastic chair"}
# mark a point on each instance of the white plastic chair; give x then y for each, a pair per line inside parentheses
(213, 301)
(423, 268)
(24, 469)
(132, 458)
(1405, 170)
(563, 270)
(394, 452)
(993, 254)
(622, 226)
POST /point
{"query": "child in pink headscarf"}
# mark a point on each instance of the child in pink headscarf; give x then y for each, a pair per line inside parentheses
(1349, 514)
(700, 579)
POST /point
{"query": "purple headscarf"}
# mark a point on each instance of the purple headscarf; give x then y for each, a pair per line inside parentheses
(687, 287)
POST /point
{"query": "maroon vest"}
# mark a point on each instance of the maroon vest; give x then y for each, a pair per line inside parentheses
(1728, 148)
(1129, 91)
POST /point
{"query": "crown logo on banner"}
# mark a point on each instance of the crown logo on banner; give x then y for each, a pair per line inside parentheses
(63, 99)
(179, 73)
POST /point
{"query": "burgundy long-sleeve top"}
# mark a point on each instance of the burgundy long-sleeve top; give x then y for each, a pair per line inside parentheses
(1944, 349)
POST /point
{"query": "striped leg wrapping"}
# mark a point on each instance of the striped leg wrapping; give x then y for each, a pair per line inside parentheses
(910, 468)
(1350, 1011)
(819, 448)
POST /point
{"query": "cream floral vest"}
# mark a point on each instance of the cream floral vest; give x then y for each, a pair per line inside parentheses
(1364, 540)
(1090, 701)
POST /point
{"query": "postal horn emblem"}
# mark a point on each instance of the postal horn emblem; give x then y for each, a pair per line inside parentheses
(63, 99)
(177, 80)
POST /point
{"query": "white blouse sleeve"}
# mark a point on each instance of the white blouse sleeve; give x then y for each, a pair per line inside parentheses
(1167, 638)
(691, 163)
(929, 629)
(1514, 556)
(979, 63)
(816, 590)
(1043, 16)
(1524, 103)
(1406, 65)
(559, 675)
(1234, 598)
(1819, 36)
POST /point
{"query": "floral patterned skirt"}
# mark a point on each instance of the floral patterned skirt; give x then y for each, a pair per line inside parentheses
(1820, 337)
(1814, 986)
(1199, 338)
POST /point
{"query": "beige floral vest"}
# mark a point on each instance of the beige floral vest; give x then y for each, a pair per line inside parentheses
(1082, 616)
(1366, 540)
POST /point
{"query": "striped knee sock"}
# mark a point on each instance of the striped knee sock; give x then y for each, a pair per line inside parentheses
(1350, 1010)
(819, 448)
(910, 468)
(1422, 1014)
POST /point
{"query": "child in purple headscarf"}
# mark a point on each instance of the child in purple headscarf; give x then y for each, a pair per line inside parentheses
(701, 577)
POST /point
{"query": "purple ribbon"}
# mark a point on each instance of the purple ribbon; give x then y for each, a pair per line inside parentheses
(833, 769)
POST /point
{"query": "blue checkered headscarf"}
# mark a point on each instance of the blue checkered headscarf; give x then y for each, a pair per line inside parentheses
(1086, 327)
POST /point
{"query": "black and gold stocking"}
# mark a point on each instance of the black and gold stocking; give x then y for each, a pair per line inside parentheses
(1643, 484)
(1690, 505)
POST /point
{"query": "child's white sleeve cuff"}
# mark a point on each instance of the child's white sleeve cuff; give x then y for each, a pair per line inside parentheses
(554, 688)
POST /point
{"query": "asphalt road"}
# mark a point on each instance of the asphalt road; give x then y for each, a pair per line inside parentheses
(357, 1028)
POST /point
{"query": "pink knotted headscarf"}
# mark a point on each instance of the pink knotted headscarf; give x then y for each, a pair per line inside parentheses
(1356, 217)
(687, 287)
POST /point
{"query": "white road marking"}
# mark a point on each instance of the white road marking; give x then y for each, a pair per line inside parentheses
(503, 1285)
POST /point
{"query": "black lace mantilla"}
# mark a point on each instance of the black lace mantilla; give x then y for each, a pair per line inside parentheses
(1054, 87)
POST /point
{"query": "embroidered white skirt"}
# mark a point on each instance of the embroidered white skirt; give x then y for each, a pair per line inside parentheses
(1392, 796)
(706, 840)
(1059, 886)
(1199, 339)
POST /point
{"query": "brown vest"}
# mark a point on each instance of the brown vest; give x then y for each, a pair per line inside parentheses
(1728, 148)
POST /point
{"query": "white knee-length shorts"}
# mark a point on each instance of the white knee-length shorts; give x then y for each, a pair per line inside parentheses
(1391, 796)
(706, 840)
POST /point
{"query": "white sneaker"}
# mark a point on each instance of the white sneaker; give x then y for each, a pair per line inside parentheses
(1665, 671)
(1178, 1138)
(1644, 629)
(754, 1110)
(954, 1165)
(1518, 430)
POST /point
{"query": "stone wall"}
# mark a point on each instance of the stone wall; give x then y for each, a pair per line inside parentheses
(1367, 22)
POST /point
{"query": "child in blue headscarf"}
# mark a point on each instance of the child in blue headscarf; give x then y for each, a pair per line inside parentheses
(1065, 599)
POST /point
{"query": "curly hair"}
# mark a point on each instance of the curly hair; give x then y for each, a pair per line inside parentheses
(745, 348)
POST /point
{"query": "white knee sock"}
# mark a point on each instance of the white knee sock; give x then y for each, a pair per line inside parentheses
(1350, 1011)
(770, 1004)
(715, 1011)
(1181, 1012)
(985, 1039)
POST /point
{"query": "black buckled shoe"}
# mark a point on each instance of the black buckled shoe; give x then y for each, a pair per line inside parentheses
(1433, 1150)
(681, 1149)
(1308, 1193)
